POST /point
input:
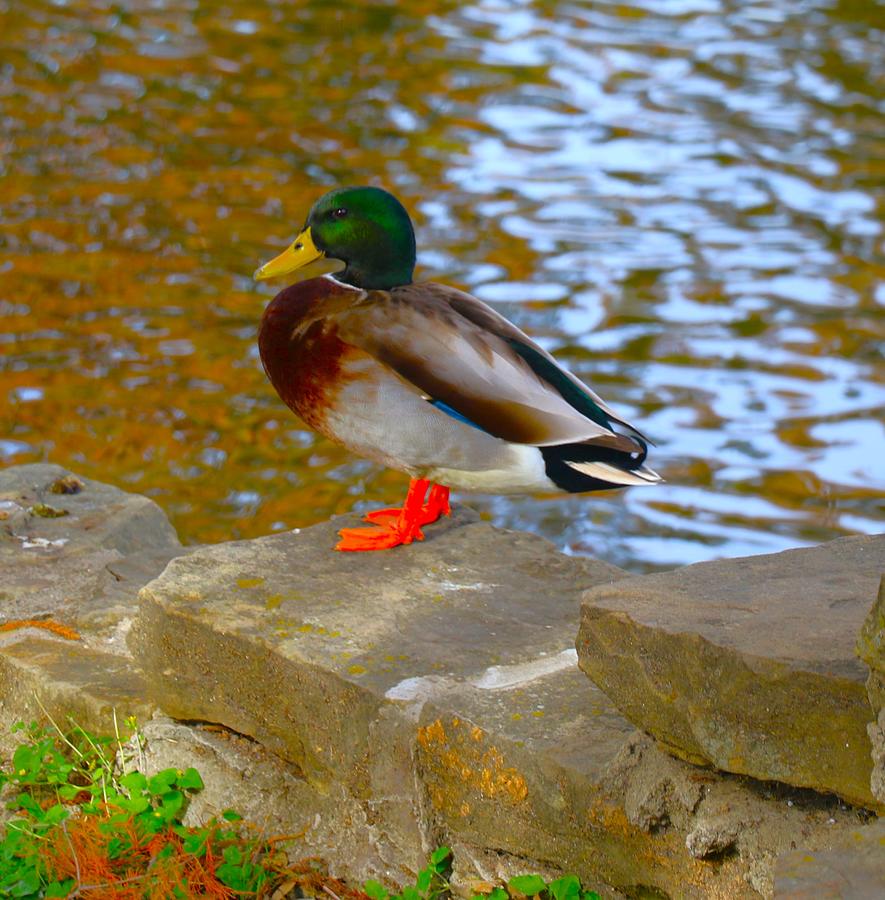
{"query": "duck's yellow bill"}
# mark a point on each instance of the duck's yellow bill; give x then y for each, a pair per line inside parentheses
(302, 252)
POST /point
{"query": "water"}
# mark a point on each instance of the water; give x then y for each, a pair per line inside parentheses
(681, 198)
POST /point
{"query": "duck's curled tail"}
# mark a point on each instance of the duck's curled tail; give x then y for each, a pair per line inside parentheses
(599, 464)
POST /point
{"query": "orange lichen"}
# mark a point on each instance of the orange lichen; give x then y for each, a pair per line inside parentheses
(611, 817)
(46, 624)
(496, 778)
(486, 773)
(430, 734)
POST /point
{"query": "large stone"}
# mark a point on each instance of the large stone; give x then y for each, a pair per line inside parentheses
(347, 628)
(747, 664)
(73, 552)
(433, 692)
(854, 869)
(76, 549)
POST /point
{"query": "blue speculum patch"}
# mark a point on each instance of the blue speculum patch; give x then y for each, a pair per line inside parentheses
(444, 407)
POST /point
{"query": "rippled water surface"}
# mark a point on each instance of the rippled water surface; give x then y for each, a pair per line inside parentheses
(680, 198)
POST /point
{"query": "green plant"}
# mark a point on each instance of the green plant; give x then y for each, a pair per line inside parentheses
(48, 778)
(568, 887)
(432, 883)
(86, 825)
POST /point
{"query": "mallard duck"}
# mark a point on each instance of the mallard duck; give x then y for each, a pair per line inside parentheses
(427, 379)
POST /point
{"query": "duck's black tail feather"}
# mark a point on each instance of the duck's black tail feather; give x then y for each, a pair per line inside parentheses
(598, 466)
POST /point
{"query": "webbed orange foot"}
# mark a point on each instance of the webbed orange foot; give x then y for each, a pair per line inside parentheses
(393, 527)
(379, 537)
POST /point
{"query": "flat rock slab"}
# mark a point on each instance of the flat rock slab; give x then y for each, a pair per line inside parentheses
(70, 683)
(271, 634)
(748, 664)
(434, 689)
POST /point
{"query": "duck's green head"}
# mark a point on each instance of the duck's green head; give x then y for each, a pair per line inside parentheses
(366, 228)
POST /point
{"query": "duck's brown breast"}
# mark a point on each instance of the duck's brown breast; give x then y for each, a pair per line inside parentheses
(302, 354)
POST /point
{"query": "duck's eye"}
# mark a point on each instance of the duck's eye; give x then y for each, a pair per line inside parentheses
(339, 213)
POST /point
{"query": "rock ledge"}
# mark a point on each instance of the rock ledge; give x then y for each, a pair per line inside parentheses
(747, 664)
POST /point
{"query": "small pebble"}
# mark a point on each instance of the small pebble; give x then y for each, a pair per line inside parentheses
(67, 484)
(45, 511)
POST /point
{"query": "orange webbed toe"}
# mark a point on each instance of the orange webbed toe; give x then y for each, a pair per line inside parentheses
(380, 537)
(383, 516)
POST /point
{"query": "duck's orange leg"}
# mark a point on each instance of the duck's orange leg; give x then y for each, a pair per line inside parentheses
(437, 505)
(399, 526)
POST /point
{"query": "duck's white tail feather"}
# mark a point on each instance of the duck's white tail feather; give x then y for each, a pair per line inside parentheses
(606, 472)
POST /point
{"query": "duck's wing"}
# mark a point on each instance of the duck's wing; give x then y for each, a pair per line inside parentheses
(467, 359)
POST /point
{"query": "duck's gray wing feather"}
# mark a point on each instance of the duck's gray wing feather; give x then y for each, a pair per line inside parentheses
(460, 352)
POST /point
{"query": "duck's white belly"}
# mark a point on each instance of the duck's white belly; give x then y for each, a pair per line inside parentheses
(522, 471)
(378, 415)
